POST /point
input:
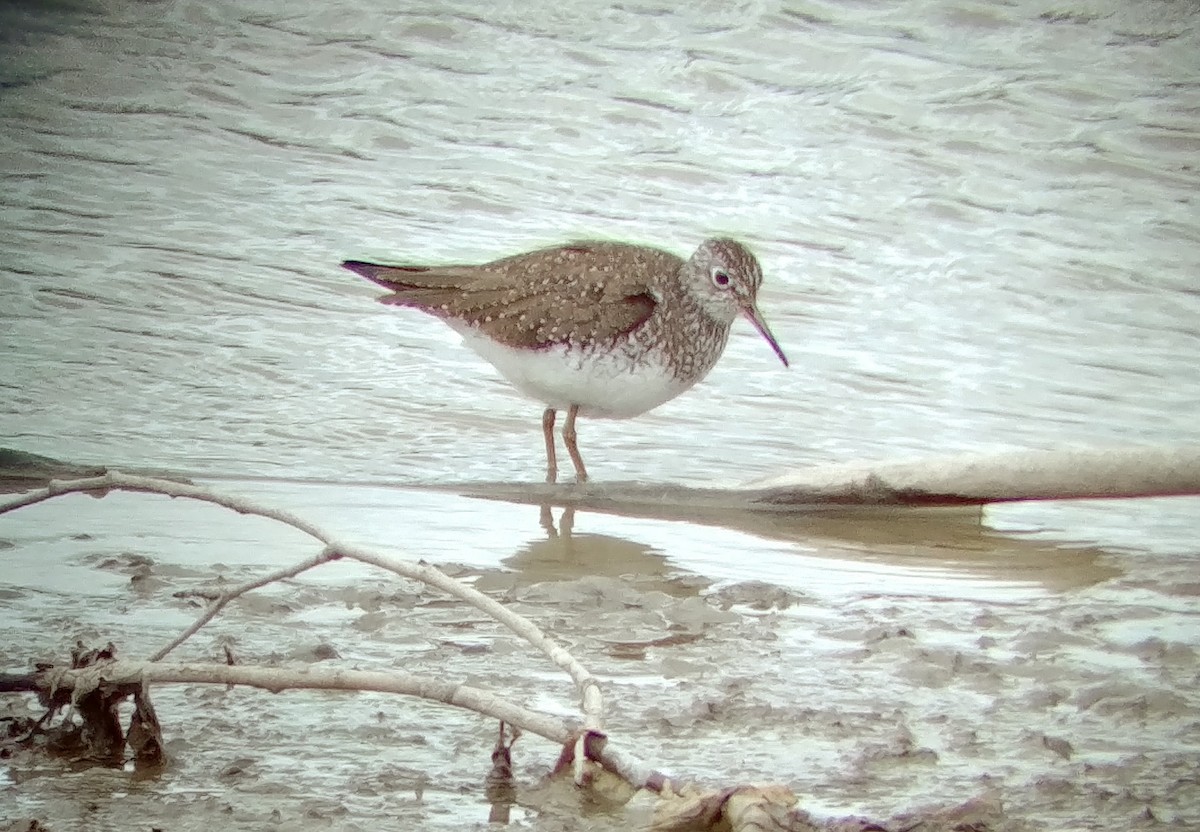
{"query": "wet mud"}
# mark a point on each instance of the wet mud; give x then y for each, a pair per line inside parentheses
(991, 699)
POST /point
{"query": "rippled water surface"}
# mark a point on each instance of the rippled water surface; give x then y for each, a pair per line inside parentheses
(979, 228)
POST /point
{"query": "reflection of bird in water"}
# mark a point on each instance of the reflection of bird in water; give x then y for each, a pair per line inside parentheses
(563, 554)
(566, 522)
(943, 540)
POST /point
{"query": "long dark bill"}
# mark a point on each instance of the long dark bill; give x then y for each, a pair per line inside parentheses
(764, 330)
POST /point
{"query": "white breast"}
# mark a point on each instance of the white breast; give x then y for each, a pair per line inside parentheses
(605, 384)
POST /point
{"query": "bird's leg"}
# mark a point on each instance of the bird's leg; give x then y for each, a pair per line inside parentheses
(569, 437)
(551, 456)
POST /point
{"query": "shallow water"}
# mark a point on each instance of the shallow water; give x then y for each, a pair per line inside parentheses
(979, 229)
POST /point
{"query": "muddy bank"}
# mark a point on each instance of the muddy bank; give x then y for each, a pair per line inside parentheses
(897, 684)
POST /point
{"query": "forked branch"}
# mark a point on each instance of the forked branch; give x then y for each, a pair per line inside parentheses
(592, 705)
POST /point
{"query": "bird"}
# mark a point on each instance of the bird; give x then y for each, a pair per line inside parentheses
(593, 328)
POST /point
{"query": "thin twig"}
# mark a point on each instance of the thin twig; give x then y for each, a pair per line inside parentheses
(219, 604)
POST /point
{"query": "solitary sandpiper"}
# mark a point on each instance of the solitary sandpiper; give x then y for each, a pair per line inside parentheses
(593, 328)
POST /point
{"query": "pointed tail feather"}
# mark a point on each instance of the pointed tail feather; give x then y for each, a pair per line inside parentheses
(389, 277)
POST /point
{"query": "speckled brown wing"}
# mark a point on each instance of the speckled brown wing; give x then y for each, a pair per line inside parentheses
(588, 292)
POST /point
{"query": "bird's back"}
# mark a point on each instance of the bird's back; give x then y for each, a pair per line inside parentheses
(582, 292)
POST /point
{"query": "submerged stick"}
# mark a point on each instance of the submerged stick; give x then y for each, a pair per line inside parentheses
(975, 479)
(962, 480)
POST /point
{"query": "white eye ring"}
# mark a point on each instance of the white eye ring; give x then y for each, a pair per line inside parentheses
(720, 277)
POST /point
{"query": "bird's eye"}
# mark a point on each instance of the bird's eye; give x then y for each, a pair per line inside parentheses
(720, 277)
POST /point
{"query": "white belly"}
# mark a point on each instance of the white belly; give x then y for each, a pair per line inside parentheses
(604, 384)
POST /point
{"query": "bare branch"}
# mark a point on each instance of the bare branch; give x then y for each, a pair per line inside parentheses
(122, 672)
(276, 679)
(588, 687)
